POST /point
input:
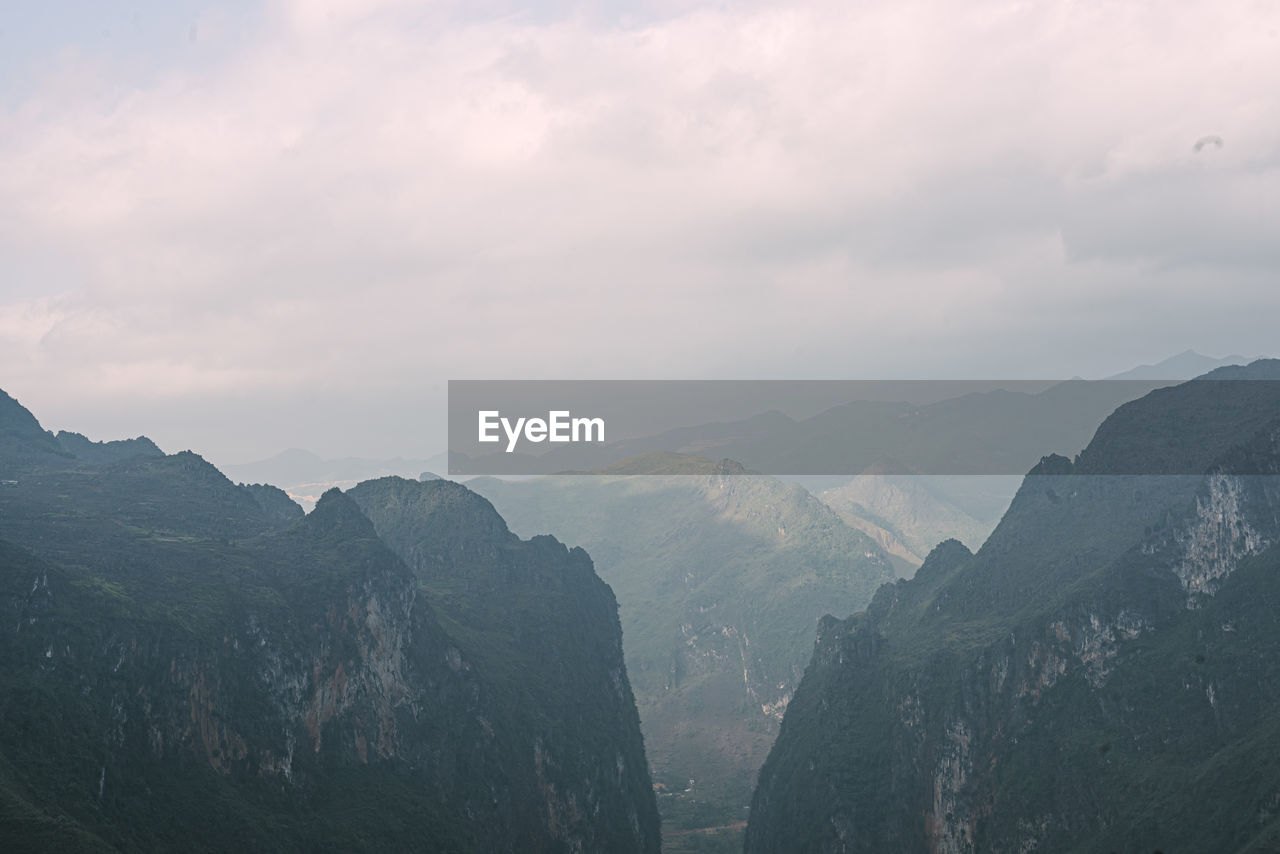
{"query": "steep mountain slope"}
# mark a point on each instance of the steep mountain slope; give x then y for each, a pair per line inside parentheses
(909, 514)
(721, 577)
(23, 442)
(186, 664)
(1099, 676)
(536, 613)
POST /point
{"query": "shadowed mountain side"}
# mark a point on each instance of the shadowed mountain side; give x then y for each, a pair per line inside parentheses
(187, 664)
(1098, 676)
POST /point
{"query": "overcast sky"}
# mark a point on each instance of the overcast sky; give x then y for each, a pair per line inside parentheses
(240, 227)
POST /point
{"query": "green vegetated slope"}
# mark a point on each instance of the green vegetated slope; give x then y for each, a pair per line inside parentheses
(187, 664)
(910, 514)
(1101, 675)
(721, 577)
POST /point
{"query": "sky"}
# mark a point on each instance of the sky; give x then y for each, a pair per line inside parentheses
(241, 227)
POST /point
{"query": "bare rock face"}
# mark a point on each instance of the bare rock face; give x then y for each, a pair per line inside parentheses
(188, 664)
(1099, 676)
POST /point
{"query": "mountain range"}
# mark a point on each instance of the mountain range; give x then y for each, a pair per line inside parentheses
(1183, 366)
(188, 664)
(1100, 675)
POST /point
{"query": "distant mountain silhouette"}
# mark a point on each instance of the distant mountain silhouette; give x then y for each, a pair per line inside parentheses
(1184, 366)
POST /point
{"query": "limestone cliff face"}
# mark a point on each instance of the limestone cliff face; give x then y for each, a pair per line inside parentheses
(184, 667)
(1098, 677)
(556, 625)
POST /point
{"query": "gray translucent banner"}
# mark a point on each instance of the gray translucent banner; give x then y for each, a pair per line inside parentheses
(811, 428)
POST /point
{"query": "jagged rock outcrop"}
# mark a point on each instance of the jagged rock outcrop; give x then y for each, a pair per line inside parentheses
(556, 626)
(275, 502)
(1099, 676)
(85, 449)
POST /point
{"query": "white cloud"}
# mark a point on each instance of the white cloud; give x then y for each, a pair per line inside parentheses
(365, 193)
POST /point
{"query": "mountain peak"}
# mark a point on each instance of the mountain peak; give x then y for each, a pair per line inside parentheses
(1052, 464)
(730, 467)
(441, 508)
(1184, 428)
(946, 556)
(336, 513)
(1182, 366)
(20, 433)
(1258, 369)
(106, 452)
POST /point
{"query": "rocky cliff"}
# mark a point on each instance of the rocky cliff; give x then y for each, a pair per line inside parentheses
(1099, 676)
(188, 665)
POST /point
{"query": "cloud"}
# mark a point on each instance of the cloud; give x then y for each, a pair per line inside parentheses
(381, 194)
